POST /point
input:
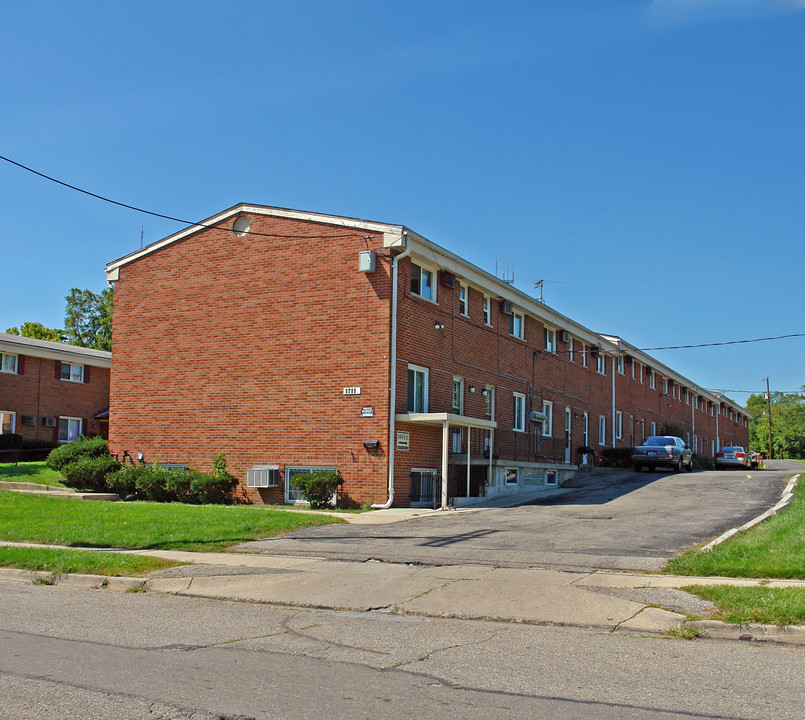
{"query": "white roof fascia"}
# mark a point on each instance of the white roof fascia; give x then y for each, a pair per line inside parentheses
(431, 253)
(391, 233)
(54, 351)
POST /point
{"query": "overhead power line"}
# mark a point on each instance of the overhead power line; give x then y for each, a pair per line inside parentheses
(150, 212)
(729, 342)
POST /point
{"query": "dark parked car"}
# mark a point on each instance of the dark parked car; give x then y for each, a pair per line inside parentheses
(733, 456)
(663, 451)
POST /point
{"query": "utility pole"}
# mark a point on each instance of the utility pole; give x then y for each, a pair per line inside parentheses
(768, 400)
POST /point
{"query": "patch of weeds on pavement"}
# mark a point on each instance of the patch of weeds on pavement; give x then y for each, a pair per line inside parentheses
(684, 632)
(139, 588)
(45, 580)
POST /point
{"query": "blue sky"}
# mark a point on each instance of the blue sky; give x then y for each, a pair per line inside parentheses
(646, 159)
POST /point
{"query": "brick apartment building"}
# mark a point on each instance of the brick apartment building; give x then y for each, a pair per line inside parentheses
(294, 340)
(51, 391)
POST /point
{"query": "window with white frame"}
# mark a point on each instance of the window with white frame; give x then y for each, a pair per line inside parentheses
(463, 302)
(417, 389)
(665, 386)
(570, 351)
(620, 364)
(8, 421)
(516, 324)
(519, 412)
(687, 396)
(69, 429)
(550, 340)
(422, 282)
(72, 372)
(640, 373)
(584, 355)
(487, 310)
(489, 402)
(547, 423)
(457, 440)
(511, 476)
(601, 364)
(652, 382)
(458, 395)
(8, 363)
(602, 429)
(696, 400)
(618, 424)
(292, 493)
(263, 476)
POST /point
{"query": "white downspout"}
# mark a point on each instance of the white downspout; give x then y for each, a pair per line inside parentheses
(613, 404)
(393, 375)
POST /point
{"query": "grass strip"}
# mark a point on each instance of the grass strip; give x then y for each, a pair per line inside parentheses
(80, 561)
(32, 472)
(742, 605)
(773, 549)
(210, 528)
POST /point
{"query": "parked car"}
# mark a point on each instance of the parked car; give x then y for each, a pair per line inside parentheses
(663, 451)
(732, 456)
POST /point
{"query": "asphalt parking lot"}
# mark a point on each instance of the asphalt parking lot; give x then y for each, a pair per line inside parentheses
(621, 520)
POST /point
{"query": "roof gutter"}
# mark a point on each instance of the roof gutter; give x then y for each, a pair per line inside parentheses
(393, 373)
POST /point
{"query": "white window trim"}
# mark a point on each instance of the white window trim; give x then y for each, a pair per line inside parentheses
(12, 415)
(458, 381)
(547, 424)
(490, 398)
(652, 378)
(80, 422)
(550, 340)
(570, 351)
(511, 471)
(434, 274)
(518, 423)
(601, 364)
(620, 365)
(70, 377)
(462, 287)
(305, 469)
(3, 357)
(425, 383)
(517, 314)
(619, 425)
(487, 308)
(602, 430)
(584, 354)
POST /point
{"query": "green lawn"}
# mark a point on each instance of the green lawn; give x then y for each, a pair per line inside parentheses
(32, 472)
(80, 561)
(742, 605)
(62, 521)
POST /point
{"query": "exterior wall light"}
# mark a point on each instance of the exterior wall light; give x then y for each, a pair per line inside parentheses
(438, 326)
(371, 444)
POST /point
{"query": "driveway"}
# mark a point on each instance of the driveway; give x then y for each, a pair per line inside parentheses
(622, 521)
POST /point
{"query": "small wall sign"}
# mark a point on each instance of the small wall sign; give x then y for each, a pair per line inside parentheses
(352, 391)
(368, 411)
(403, 440)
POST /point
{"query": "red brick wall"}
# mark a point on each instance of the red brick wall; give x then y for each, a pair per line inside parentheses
(244, 345)
(39, 393)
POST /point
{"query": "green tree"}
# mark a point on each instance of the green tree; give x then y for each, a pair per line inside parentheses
(37, 331)
(88, 318)
(787, 423)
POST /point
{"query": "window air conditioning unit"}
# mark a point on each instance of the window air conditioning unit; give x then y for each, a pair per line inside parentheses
(506, 307)
(448, 279)
(538, 416)
(565, 336)
(49, 421)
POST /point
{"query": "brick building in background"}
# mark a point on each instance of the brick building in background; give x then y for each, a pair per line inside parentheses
(294, 341)
(51, 391)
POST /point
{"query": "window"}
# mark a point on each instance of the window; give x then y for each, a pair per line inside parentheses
(424, 482)
(550, 340)
(673, 390)
(487, 310)
(8, 363)
(570, 353)
(584, 355)
(602, 429)
(651, 378)
(489, 402)
(422, 282)
(601, 364)
(687, 396)
(8, 421)
(458, 396)
(417, 389)
(618, 424)
(640, 374)
(72, 372)
(519, 412)
(263, 476)
(516, 324)
(69, 429)
(292, 493)
(458, 440)
(696, 400)
(547, 424)
(463, 305)
(665, 386)
(620, 364)
(511, 476)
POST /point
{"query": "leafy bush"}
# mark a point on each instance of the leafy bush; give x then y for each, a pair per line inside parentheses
(70, 452)
(618, 457)
(89, 473)
(702, 462)
(10, 441)
(160, 484)
(318, 487)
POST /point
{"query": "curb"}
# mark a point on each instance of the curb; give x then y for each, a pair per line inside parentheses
(717, 630)
(72, 580)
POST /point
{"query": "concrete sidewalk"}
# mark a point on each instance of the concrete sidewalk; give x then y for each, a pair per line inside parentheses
(606, 600)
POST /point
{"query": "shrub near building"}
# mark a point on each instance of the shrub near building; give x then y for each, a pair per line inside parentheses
(84, 463)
